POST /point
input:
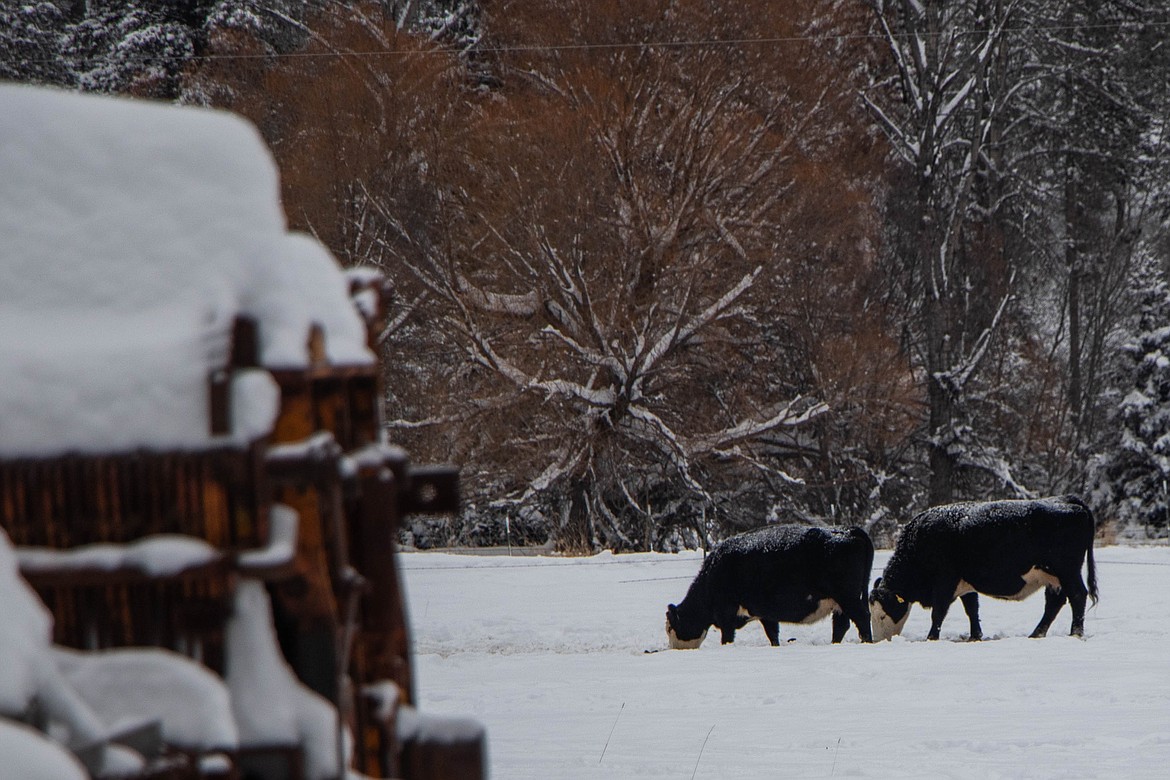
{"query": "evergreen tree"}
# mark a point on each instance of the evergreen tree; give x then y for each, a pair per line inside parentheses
(1136, 474)
(1080, 174)
(452, 22)
(130, 48)
(30, 43)
(1093, 119)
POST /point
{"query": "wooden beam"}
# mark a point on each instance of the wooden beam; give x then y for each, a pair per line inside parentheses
(219, 402)
(245, 343)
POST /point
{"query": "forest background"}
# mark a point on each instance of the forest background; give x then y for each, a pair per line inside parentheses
(668, 269)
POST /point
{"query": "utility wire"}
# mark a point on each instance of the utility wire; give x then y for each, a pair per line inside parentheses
(614, 46)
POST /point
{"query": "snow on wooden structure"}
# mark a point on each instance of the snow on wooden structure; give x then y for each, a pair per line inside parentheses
(191, 450)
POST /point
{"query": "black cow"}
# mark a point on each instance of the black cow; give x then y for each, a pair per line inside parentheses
(777, 574)
(1005, 549)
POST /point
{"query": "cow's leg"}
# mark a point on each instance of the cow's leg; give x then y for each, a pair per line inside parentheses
(940, 604)
(1074, 587)
(727, 620)
(840, 626)
(771, 630)
(858, 613)
(971, 605)
(1053, 601)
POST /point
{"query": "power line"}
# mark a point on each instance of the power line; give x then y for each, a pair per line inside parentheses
(603, 46)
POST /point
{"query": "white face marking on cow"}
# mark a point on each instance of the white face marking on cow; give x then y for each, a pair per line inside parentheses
(824, 607)
(683, 644)
(882, 625)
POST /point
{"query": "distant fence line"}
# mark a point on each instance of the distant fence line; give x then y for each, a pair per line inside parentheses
(570, 562)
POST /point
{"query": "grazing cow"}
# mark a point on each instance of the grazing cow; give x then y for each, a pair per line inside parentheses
(1005, 549)
(777, 574)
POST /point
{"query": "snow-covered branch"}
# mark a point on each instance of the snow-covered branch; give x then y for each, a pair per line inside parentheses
(957, 377)
(681, 334)
(796, 412)
(518, 305)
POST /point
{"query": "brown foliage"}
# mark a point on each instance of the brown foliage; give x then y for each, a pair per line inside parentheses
(637, 169)
(357, 119)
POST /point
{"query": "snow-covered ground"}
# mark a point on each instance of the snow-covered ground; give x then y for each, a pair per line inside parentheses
(549, 654)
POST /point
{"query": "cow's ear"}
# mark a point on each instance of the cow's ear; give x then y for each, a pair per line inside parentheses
(877, 583)
(672, 614)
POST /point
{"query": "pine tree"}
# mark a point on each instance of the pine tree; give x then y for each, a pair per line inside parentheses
(1094, 116)
(452, 22)
(1136, 475)
(30, 43)
(130, 48)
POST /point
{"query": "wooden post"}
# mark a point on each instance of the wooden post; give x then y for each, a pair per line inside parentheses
(219, 400)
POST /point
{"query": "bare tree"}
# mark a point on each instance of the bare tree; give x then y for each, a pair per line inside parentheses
(623, 269)
(633, 275)
(941, 110)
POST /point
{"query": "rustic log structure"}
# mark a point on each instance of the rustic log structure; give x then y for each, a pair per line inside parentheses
(279, 472)
(339, 603)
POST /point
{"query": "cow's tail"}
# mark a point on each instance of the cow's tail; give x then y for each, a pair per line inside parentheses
(1092, 573)
(1092, 565)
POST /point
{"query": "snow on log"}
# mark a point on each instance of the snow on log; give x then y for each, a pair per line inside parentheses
(136, 236)
(272, 708)
(191, 704)
(30, 755)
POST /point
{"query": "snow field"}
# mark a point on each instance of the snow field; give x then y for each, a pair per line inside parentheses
(548, 653)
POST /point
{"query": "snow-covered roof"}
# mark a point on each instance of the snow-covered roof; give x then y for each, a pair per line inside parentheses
(134, 234)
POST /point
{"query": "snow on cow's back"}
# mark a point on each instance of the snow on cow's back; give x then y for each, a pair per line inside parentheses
(783, 537)
(768, 538)
(1004, 524)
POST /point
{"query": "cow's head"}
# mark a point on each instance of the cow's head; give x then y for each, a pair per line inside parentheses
(887, 611)
(677, 634)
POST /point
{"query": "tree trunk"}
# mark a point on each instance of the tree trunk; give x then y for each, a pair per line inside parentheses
(940, 399)
(576, 532)
(1072, 261)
